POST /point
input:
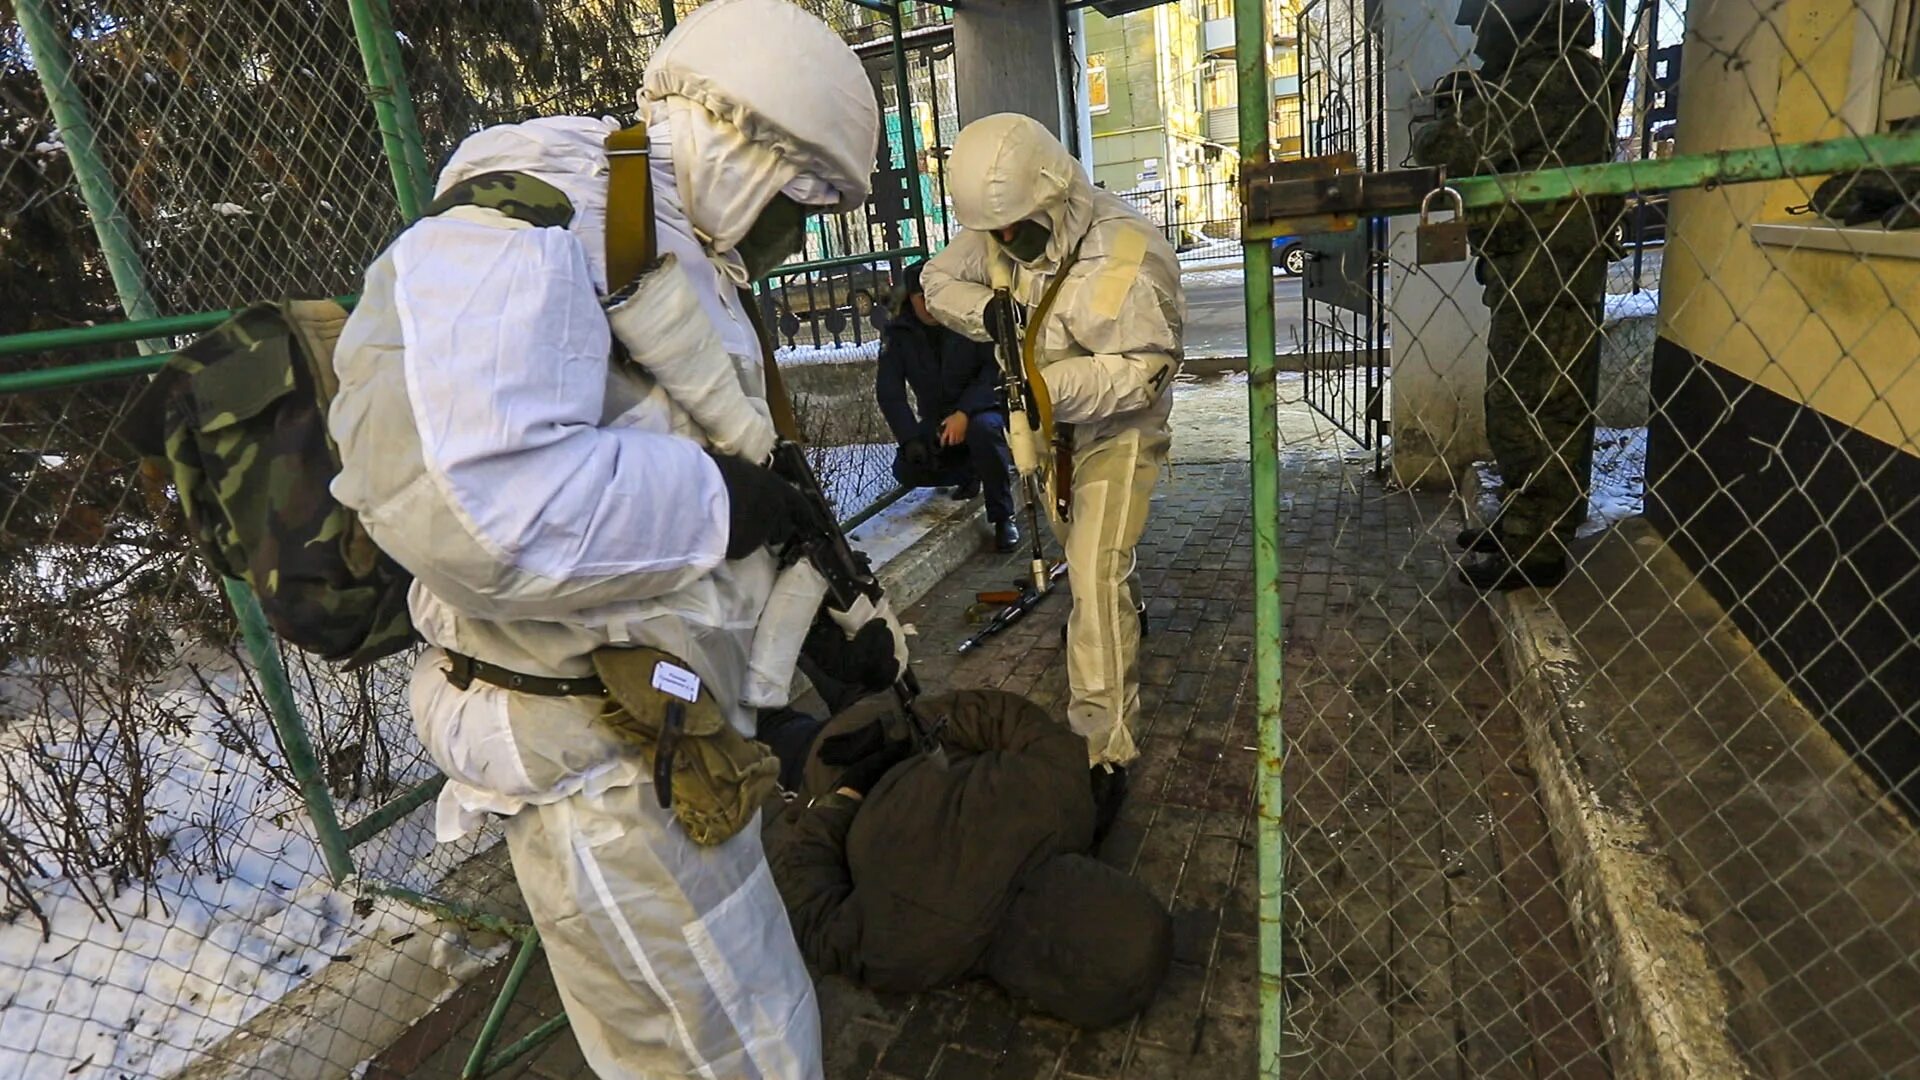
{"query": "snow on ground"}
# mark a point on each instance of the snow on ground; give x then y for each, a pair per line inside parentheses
(793, 355)
(853, 476)
(1619, 477)
(1210, 279)
(1633, 305)
(241, 914)
(1213, 249)
(1619, 487)
(1213, 262)
(885, 535)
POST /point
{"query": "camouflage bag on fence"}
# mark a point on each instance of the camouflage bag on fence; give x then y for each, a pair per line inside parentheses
(238, 421)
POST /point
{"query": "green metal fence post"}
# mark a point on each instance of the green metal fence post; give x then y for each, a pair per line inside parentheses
(292, 730)
(403, 114)
(668, 17)
(1263, 431)
(910, 160)
(47, 46)
(118, 245)
(392, 108)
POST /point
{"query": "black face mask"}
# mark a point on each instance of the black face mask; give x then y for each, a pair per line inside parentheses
(779, 233)
(1029, 241)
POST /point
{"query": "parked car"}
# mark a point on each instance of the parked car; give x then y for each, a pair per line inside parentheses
(832, 299)
(1290, 255)
(1643, 223)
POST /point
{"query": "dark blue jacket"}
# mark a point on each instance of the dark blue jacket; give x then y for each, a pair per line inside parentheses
(948, 372)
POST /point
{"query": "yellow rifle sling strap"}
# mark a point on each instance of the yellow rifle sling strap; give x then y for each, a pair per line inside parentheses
(630, 242)
(1030, 345)
(779, 405)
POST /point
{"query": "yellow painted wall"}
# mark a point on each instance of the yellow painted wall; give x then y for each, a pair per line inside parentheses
(1834, 330)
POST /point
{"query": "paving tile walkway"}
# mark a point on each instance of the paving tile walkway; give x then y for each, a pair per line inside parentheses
(1428, 934)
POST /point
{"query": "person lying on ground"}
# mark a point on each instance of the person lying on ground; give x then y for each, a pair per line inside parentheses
(905, 872)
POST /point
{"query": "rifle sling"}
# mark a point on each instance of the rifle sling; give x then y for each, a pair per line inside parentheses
(779, 404)
(1029, 346)
(630, 245)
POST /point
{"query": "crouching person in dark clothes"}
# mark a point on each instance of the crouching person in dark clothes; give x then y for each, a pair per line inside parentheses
(905, 873)
(955, 429)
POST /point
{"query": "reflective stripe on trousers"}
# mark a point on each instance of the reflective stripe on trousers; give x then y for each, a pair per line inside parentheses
(665, 974)
(1113, 482)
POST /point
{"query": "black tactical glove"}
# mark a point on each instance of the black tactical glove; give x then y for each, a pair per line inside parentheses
(916, 457)
(762, 509)
(998, 316)
(867, 661)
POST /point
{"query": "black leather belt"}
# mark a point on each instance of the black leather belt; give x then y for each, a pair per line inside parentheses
(464, 671)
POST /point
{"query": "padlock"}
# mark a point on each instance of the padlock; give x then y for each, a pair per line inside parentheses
(1441, 241)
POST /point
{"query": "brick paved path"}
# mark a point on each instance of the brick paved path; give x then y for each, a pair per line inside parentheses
(1412, 825)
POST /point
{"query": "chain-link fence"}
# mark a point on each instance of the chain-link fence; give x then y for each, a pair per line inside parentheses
(1598, 749)
(1651, 813)
(163, 883)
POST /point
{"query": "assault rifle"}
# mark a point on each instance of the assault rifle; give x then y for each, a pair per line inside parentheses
(1025, 436)
(848, 574)
(1015, 606)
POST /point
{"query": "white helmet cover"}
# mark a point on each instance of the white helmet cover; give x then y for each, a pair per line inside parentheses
(784, 79)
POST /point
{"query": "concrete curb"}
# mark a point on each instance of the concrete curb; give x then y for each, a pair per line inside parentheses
(355, 1009)
(1659, 997)
(953, 533)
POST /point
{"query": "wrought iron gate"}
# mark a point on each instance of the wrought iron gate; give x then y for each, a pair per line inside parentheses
(1344, 289)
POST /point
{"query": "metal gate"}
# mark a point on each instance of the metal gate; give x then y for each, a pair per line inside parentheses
(1343, 290)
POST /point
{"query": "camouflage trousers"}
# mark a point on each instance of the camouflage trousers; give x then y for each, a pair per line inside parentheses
(1543, 374)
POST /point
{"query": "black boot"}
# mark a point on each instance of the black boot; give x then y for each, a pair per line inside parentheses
(1006, 536)
(1496, 573)
(966, 490)
(1109, 791)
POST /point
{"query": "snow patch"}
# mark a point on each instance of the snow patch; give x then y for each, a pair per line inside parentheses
(1618, 489)
(242, 911)
(855, 477)
(1233, 278)
(795, 355)
(1640, 305)
(227, 209)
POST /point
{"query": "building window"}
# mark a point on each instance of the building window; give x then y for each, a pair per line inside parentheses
(1097, 83)
(1900, 100)
(1286, 62)
(1286, 119)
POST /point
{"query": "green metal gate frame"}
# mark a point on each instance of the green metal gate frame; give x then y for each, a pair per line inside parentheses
(392, 103)
(1703, 171)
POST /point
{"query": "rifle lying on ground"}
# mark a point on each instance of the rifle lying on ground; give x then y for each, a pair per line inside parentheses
(849, 577)
(1014, 605)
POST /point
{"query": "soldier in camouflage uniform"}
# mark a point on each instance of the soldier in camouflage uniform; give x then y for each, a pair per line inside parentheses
(1538, 101)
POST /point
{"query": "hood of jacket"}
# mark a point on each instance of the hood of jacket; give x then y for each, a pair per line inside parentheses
(1008, 168)
(763, 99)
